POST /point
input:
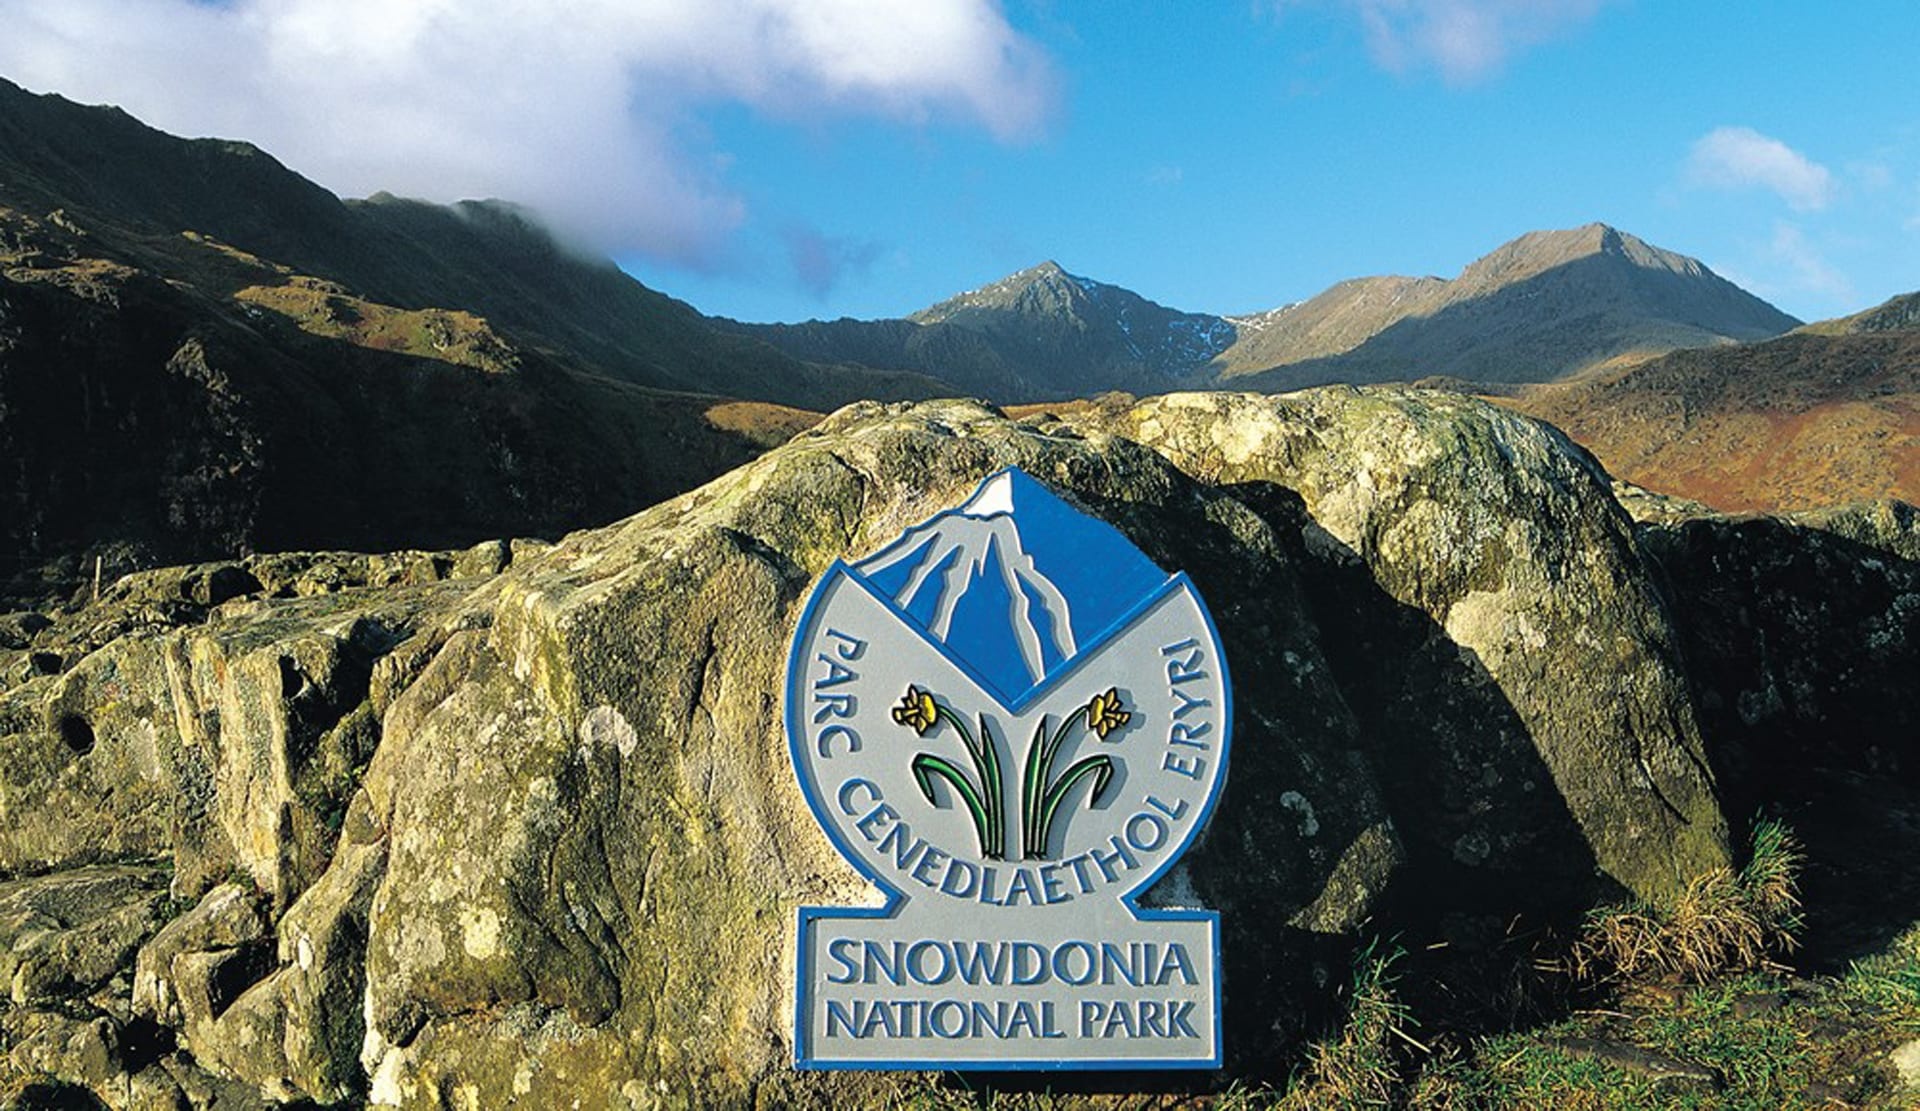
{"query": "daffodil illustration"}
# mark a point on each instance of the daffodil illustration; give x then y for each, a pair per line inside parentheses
(1106, 713)
(981, 794)
(1041, 794)
(917, 711)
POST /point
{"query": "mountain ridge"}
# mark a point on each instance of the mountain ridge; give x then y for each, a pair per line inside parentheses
(1039, 334)
(202, 352)
(238, 324)
(1827, 413)
(139, 188)
(1547, 304)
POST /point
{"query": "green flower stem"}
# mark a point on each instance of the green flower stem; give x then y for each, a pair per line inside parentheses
(926, 766)
(1033, 786)
(1100, 767)
(989, 813)
(1029, 792)
(990, 774)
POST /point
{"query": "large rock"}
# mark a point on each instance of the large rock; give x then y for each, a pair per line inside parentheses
(233, 744)
(1487, 610)
(535, 836)
(594, 828)
(1802, 637)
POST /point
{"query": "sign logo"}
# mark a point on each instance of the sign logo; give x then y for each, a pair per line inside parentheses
(1013, 724)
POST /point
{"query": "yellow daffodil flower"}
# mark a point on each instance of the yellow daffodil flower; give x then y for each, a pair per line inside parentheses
(916, 710)
(1105, 713)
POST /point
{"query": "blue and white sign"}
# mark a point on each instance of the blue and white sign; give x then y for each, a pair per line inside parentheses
(1012, 723)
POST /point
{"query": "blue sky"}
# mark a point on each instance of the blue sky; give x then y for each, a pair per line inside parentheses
(786, 159)
(1226, 158)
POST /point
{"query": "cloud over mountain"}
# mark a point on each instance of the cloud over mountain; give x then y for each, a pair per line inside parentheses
(589, 116)
(1739, 157)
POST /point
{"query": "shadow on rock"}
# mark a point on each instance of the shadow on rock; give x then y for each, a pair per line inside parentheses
(1802, 639)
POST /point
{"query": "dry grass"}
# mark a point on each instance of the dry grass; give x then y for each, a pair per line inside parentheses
(329, 311)
(1360, 1066)
(762, 423)
(1721, 923)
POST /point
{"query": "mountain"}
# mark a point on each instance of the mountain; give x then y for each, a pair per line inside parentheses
(202, 351)
(1827, 413)
(1042, 334)
(1015, 583)
(1547, 305)
(138, 190)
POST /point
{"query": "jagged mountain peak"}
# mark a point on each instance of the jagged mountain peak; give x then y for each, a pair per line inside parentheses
(1046, 288)
(1544, 305)
(1038, 334)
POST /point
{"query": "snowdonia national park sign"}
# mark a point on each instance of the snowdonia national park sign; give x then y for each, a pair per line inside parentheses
(1013, 723)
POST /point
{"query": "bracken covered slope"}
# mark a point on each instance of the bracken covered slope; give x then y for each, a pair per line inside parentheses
(1826, 414)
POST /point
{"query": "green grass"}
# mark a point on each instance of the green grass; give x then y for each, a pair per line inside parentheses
(1763, 1039)
(1360, 1066)
(1834, 1032)
(1830, 1038)
(1891, 979)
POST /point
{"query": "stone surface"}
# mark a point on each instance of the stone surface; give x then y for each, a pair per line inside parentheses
(425, 838)
(63, 935)
(1487, 609)
(169, 985)
(1906, 1065)
(230, 744)
(1802, 634)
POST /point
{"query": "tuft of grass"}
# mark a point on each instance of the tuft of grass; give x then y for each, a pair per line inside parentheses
(1890, 980)
(1721, 923)
(1359, 1067)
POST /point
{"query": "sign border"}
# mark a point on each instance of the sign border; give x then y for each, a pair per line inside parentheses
(793, 712)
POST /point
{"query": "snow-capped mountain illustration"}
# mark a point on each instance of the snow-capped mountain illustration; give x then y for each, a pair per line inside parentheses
(1015, 583)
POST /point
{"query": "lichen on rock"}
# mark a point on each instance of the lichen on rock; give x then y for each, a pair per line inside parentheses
(532, 833)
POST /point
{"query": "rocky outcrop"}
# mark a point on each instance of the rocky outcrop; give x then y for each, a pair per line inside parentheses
(163, 407)
(1802, 636)
(533, 833)
(1486, 607)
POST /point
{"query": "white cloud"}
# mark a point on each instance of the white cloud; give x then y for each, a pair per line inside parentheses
(587, 112)
(1738, 157)
(1466, 40)
(1792, 271)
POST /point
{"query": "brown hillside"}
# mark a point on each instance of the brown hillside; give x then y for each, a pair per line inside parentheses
(1546, 306)
(1800, 421)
